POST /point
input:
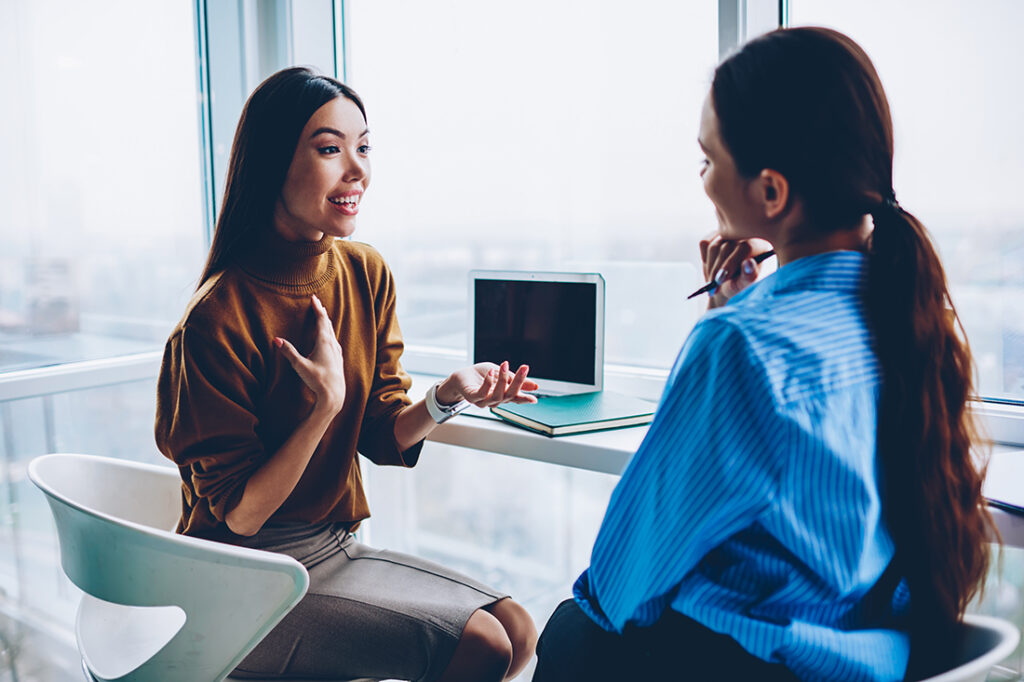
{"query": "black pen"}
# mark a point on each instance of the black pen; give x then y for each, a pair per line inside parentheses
(714, 284)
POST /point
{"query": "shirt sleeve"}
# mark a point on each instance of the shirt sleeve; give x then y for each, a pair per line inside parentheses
(702, 473)
(389, 391)
(206, 421)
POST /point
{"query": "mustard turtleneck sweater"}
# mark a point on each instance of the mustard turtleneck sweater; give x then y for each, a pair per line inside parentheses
(227, 399)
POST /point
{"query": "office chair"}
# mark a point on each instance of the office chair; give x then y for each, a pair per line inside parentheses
(986, 641)
(158, 606)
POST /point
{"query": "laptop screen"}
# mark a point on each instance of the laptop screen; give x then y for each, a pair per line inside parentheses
(552, 322)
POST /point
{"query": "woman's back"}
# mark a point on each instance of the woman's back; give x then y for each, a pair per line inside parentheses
(775, 535)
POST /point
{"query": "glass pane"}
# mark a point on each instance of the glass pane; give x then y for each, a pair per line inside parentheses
(524, 527)
(113, 421)
(951, 71)
(556, 135)
(100, 194)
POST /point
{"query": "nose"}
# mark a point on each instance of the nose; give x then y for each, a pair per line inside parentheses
(354, 167)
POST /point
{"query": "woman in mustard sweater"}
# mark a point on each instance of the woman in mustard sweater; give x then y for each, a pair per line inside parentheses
(283, 367)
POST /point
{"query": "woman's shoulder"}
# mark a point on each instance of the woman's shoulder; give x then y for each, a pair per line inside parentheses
(219, 294)
(359, 252)
(362, 260)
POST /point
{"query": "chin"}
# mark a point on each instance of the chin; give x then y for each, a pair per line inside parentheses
(346, 229)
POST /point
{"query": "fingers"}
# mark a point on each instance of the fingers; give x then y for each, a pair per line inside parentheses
(730, 259)
(479, 395)
(517, 381)
(323, 321)
(501, 384)
(709, 249)
(294, 358)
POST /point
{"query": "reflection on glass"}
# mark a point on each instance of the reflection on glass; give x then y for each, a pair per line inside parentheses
(951, 71)
(100, 197)
(544, 135)
(525, 527)
(40, 602)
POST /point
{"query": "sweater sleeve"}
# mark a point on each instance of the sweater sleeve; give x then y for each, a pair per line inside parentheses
(389, 391)
(206, 420)
(702, 473)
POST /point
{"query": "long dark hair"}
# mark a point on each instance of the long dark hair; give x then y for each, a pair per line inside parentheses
(808, 103)
(265, 140)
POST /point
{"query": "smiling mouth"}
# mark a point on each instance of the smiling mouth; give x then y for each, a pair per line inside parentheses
(346, 202)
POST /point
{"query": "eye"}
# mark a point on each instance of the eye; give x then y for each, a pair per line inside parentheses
(704, 164)
(329, 149)
(364, 149)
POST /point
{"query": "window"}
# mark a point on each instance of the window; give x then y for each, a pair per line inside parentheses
(102, 233)
(540, 135)
(100, 195)
(950, 70)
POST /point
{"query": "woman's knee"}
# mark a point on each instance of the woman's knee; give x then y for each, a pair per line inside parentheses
(487, 645)
(518, 626)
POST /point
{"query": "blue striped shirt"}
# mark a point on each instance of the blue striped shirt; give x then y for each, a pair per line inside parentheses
(753, 504)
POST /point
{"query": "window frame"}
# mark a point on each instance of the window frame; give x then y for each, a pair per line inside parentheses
(1002, 421)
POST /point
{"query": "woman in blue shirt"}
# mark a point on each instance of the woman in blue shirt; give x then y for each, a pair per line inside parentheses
(805, 504)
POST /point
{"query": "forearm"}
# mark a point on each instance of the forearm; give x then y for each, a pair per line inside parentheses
(273, 482)
(412, 425)
(414, 422)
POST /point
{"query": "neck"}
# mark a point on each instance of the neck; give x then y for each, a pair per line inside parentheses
(796, 246)
(290, 228)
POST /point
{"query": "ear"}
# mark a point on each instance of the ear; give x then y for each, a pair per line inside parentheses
(771, 189)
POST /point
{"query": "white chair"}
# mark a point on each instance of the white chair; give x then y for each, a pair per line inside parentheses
(986, 641)
(158, 606)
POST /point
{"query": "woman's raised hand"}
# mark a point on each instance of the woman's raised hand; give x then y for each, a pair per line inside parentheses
(485, 384)
(731, 263)
(323, 370)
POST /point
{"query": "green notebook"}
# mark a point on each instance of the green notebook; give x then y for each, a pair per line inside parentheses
(577, 413)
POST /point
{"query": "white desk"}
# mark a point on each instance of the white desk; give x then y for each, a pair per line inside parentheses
(603, 451)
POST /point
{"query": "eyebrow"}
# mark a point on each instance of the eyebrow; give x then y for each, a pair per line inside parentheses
(336, 132)
(701, 144)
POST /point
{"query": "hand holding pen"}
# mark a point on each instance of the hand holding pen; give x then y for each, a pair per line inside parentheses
(730, 266)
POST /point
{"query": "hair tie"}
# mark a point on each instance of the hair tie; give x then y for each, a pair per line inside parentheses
(889, 201)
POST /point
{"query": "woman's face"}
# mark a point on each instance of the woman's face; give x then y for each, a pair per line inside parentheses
(732, 194)
(327, 176)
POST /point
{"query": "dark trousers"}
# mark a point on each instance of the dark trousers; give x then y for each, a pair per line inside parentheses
(573, 647)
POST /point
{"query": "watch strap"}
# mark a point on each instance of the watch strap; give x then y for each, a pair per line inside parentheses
(442, 413)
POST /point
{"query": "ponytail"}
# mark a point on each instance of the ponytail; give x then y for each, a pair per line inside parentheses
(933, 501)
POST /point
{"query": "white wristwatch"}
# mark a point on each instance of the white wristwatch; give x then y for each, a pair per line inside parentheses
(442, 413)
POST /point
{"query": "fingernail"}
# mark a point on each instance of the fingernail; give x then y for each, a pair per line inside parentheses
(721, 275)
(278, 342)
(748, 266)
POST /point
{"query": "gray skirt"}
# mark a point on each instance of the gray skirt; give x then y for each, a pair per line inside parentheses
(368, 612)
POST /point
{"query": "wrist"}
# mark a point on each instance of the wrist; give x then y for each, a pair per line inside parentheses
(446, 394)
(323, 414)
(439, 411)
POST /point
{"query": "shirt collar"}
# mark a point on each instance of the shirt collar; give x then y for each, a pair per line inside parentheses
(844, 271)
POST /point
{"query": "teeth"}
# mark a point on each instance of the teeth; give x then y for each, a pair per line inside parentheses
(353, 200)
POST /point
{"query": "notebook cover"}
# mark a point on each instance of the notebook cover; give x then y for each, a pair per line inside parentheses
(595, 408)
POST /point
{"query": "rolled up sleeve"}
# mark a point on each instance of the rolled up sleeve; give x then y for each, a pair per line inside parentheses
(389, 393)
(206, 423)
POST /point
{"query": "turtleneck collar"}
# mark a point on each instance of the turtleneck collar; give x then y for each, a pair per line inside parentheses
(300, 266)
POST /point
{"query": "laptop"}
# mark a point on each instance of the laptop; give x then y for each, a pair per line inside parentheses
(551, 321)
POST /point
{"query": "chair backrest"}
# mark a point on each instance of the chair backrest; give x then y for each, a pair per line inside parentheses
(985, 642)
(113, 521)
(141, 493)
